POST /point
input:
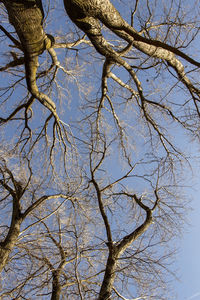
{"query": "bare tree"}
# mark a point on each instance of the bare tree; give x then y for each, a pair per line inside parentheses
(22, 193)
(96, 215)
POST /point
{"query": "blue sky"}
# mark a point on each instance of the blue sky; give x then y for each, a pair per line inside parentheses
(188, 262)
(188, 259)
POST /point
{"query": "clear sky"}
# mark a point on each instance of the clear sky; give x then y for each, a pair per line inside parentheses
(188, 260)
(188, 257)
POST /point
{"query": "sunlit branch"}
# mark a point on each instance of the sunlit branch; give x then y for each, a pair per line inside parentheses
(16, 42)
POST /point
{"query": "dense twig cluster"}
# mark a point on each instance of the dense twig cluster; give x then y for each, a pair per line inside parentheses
(91, 190)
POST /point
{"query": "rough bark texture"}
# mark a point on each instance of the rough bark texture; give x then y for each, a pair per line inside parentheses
(86, 15)
(27, 17)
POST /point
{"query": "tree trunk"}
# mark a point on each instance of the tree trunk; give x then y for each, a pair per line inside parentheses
(109, 277)
(27, 17)
(56, 288)
(8, 244)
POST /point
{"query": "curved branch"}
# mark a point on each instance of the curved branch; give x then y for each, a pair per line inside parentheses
(27, 18)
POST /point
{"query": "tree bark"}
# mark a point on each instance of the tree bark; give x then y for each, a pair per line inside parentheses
(8, 244)
(56, 288)
(27, 18)
(86, 15)
(109, 277)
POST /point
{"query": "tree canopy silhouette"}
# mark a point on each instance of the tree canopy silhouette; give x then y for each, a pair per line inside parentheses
(95, 120)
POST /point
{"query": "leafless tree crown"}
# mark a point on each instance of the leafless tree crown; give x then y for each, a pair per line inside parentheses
(98, 102)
